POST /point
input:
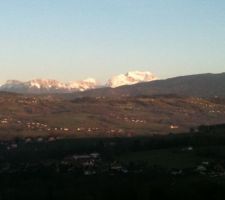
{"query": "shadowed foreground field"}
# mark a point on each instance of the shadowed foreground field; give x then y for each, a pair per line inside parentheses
(180, 166)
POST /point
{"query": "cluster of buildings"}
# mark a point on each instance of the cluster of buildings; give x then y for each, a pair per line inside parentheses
(4, 121)
(82, 164)
(205, 168)
(128, 119)
(27, 100)
(33, 125)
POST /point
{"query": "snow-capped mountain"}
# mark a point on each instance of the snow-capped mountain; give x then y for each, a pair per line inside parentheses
(83, 85)
(130, 78)
(48, 86)
(54, 86)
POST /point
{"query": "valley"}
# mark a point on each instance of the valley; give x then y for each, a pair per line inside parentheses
(180, 166)
(56, 116)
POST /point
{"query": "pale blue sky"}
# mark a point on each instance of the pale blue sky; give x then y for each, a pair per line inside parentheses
(75, 39)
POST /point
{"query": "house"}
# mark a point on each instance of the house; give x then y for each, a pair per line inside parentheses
(27, 140)
(51, 139)
(177, 172)
(174, 126)
(89, 172)
(201, 168)
(205, 163)
(40, 139)
(14, 146)
(95, 155)
(81, 157)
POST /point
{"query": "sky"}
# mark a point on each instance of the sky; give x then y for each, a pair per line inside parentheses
(75, 39)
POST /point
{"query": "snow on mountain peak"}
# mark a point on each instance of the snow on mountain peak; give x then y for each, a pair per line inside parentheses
(54, 86)
(83, 85)
(89, 80)
(45, 83)
(130, 78)
(48, 85)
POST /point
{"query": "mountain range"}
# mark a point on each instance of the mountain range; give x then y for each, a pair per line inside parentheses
(200, 85)
(54, 86)
(84, 108)
(47, 86)
(130, 78)
(130, 84)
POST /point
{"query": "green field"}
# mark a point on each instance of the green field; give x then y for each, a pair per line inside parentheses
(166, 158)
(134, 168)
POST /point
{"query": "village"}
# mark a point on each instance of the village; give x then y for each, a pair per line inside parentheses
(94, 164)
(99, 162)
(53, 132)
(36, 117)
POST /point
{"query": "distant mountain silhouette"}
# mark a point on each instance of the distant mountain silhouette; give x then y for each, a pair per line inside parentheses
(200, 85)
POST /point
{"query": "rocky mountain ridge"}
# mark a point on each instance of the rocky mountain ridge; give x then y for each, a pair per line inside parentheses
(54, 86)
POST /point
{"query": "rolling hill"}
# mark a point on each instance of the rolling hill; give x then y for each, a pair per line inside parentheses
(201, 85)
(52, 116)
